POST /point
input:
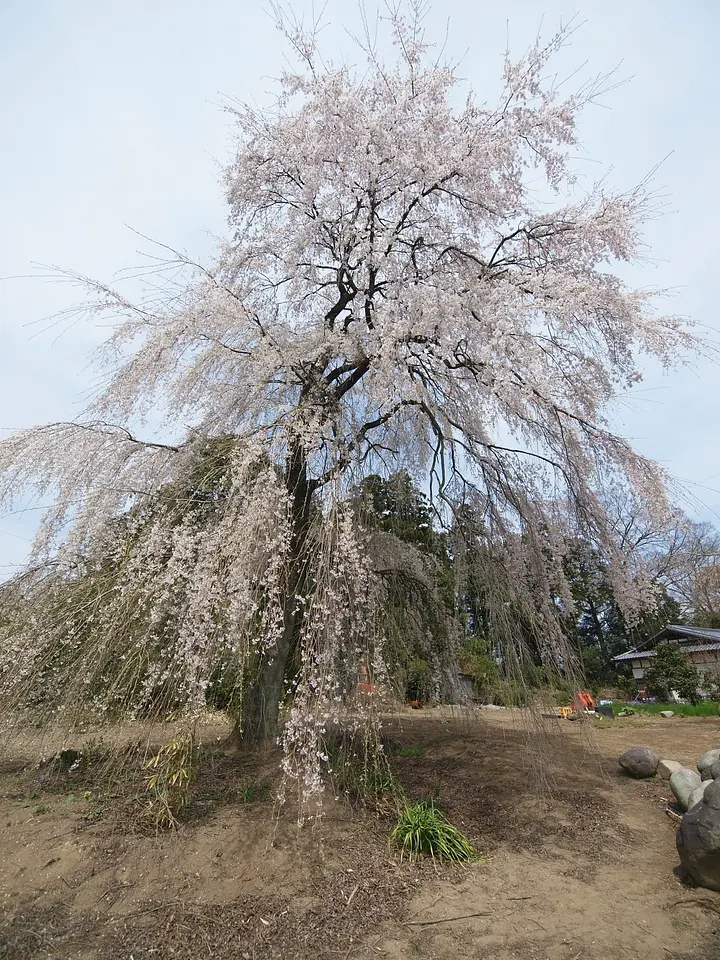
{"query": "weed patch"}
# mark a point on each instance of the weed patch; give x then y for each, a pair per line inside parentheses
(422, 830)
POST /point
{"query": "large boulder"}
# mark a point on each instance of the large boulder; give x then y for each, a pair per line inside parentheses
(667, 714)
(712, 772)
(682, 784)
(666, 768)
(698, 793)
(698, 839)
(708, 759)
(640, 762)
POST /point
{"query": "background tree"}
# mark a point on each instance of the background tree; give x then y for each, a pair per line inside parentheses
(691, 570)
(680, 554)
(670, 671)
(393, 293)
(417, 611)
(596, 622)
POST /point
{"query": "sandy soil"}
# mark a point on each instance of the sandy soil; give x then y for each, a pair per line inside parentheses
(580, 860)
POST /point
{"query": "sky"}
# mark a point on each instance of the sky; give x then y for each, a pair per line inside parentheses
(113, 125)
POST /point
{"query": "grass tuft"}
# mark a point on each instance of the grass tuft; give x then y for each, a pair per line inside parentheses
(706, 708)
(422, 830)
(409, 751)
(255, 791)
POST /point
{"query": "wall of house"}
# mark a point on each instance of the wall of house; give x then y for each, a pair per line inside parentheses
(707, 663)
(638, 668)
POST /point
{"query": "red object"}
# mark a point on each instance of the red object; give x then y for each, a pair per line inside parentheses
(583, 701)
(364, 685)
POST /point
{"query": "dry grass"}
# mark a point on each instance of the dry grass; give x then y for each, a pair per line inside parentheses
(575, 855)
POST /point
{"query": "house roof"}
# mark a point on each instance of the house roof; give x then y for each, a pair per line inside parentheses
(682, 634)
(691, 639)
(689, 648)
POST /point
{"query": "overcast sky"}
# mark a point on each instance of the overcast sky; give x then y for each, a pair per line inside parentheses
(112, 118)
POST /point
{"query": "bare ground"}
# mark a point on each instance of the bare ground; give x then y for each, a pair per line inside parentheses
(580, 861)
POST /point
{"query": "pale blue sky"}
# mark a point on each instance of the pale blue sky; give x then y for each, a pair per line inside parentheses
(111, 116)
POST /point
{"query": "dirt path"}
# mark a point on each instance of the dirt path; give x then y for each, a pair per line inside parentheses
(579, 864)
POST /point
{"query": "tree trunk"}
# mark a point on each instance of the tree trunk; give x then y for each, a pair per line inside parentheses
(261, 702)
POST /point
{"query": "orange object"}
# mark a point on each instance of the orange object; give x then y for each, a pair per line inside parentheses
(364, 685)
(565, 712)
(583, 701)
(415, 704)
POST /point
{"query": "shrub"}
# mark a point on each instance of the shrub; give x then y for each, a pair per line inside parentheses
(360, 770)
(670, 671)
(422, 830)
(167, 780)
(418, 685)
(477, 663)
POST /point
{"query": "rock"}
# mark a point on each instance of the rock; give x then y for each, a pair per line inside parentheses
(667, 767)
(667, 713)
(640, 762)
(698, 793)
(698, 839)
(714, 770)
(682, 784)
(708, 759)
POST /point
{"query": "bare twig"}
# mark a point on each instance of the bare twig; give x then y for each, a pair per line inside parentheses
(427, 923)
(702, 901)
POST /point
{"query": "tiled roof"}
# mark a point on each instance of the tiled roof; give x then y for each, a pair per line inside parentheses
(676, 633)
(690, 632)
(689, 648)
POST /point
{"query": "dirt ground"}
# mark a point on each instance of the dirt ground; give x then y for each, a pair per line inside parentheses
(579, 861)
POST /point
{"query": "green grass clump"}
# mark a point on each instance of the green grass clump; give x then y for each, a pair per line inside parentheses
(409, 751)
(422, 830)
(706, 708)
(255, 791)
(360, 770)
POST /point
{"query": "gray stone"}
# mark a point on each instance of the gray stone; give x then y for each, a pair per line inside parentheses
(667, 767)
(713, 772)
(667, 713)
(698, 793)
(698, 839)
(640, 762)
(708, 759)
(682, 784)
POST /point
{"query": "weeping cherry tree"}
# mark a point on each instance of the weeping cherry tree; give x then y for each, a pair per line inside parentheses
(392, 295)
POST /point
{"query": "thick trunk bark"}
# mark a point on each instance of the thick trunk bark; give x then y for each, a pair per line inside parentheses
(261, 703)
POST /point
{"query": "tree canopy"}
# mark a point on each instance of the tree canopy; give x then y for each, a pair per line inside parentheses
(394, 293)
